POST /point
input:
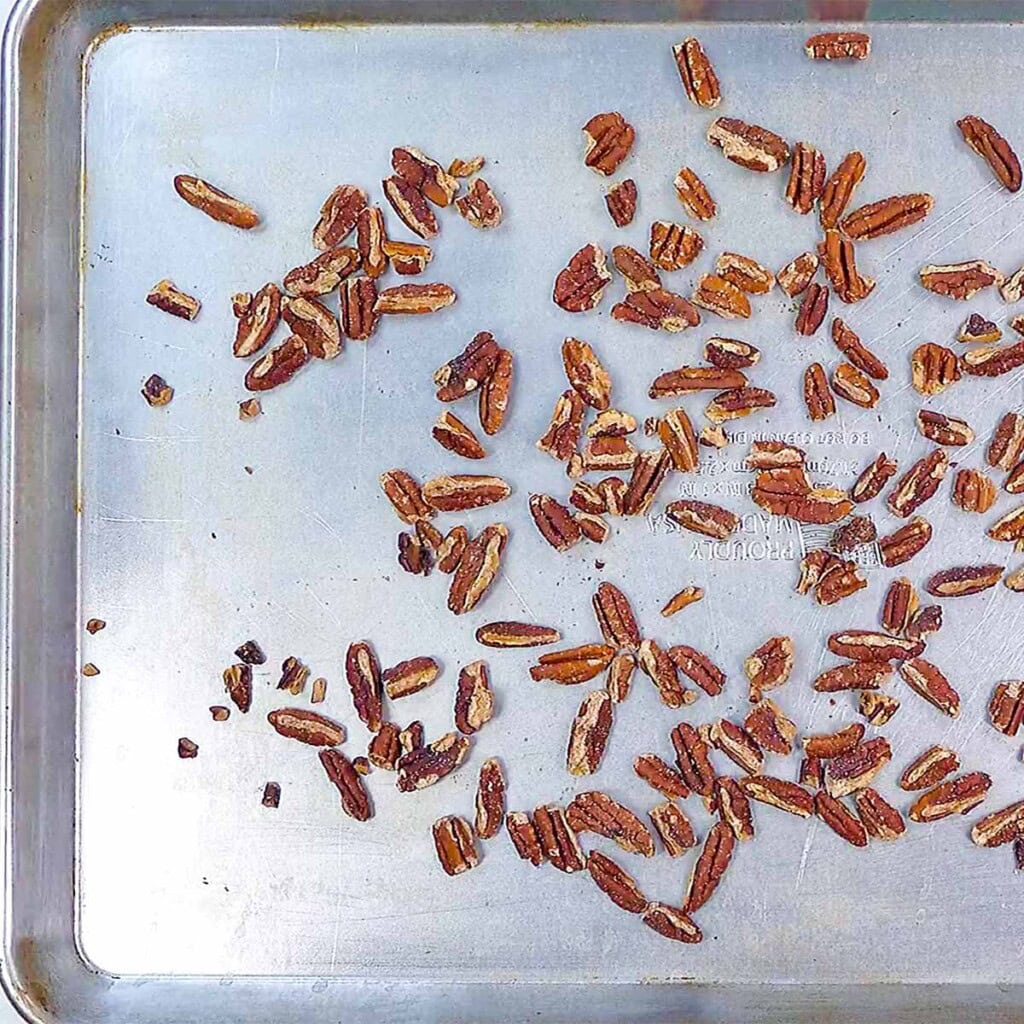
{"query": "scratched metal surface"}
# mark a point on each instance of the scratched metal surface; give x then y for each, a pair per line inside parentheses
(179, 870)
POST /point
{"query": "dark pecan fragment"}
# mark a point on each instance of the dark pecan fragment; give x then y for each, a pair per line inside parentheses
(673, 828)
(748, 145)
(886, 216)
(589, 734)
(927, 681)
(525, 837)
(769, 666)
(963, 580)
(586, 373)
(973, 491)
(661, 776)
(594, 811)
(933, 368)
(238, 683)
(840, 819)
(648, 474)
(385, 747)
(1000, 826)
(992, 361)
(490, 799)
(730, 353)
(697, 74)
(698, 668)
(425, 175)
(959, 280)
(214, 203)
(877, 708)
(321, 275)
(960, 796)
(977, 329)
(338, 216)
(824, 746)
(993, 149)
(454, 844)
(796, 275)
(692, 759)
(770, 727)
(806, 177)
(271, 795)
(849, 343)
(480, 205)
(817, 396)
(858, 675)
(813, 308)
(694, 195)
(621, 202)
(554, 522)
(477, 568)
(839, 188)
(164, 295)
(609, 138)
(703, 518)
(854, 533)
(1006, 708)
(838, 46)
(474, 700)
(839, 264)
(855, 768)
(423, 766)
(357, 305)
(929, 769)
(573, 665)
(710, 866)
(156, 391)
(307, 727)
(355, 801)
(516, 634)
(786, 796)
(293, 676)
(874, 477)
(918, 484)
(557, 839)
(187, 748)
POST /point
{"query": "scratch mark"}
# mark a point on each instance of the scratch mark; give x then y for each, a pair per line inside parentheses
(362, 407)
(520, 598)
(320, 521)
(801, 870)
(151, 438)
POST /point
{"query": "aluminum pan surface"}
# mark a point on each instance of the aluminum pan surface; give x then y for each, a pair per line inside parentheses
(185, 554)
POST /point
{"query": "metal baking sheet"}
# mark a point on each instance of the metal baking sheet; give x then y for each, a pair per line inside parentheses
(175, 894)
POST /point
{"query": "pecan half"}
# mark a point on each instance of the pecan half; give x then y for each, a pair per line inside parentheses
(818, 505)
(857, 675)
(671, 922)
(698, 668)
(516, 634)
(621, 202)
(687, 379)
(358, 313)
(697, 74)
(616, 884)
(385, 748)
(477, 568)
(474, 700)
(639, 272)
(694, 195)
(480, 205)
(839, 264)
(813, 308)
(768, 667)
(840, 819)
(680, 600)
(594, 811)
(661, 776)
(977, 329)
(322, 274)
(692, 759)
(748, 145)
(562, 437)
(849, 343)
(338, 216)
(738, 745)
(738, 402)
(817, 396)
(586, 374)
(960, 796)
(554, 522)
(734, 808)
(770, 727)
(839, 188)
(786, 796)
(425, 175)
(963, 580)
(900, 605)
(238, 683)
(796, 275)
(886, 216)
(423, 766)
(615, 617)
(703, 518)
(677, 435)
(411, 206)
(557, 839)
(673, 828)
(674, 246)
(721, 297)
(747, 274)
(942, 429)
(879, 817)
(959, 280)
(710, 866)
(973, 491)
(873, 478)
(609, 138)
(648, 474)
(1006, 708)
(933, 368)
(993, 149)
(278, 366)
(451, 433)
(525, 837)
(993, 361)
(407, 258)
(1000, 826)
(877, 708)
(855, 768)
(849, 383)
(459, 492)
(918, 484)
(927, 681)
(573, 665)
(806, 177)
(307, 727)
(314, 324)
(730, 353)
(838, 46)
(214, 203)
(1008, 527)
(415, 299)
(589, 734)
(371, 237)
(867, 645)
(405, 495)
(661, 670)
(825, 746)
(658, 310)
(929, 769)
(490, 799)
(620, 675)
(454, 844)
(355, 801)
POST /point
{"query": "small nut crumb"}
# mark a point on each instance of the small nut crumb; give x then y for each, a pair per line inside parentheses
(271, 794)
(89, 669)
(249, 409)
(157, 391)
(95, 625)
(219, 713)
(319, 691)
(186, 748)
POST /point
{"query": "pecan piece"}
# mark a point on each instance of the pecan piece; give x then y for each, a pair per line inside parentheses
(849, 383)
(557, 839)
(768, 667)
(271, 795)
(840, 819)
(648, 474)
(673, 828)
(933, 368)
(678, 601)
(249, 409)
(1006, 708)
(839, 264)
(477, 568)
(721, 297)
(405, 495)
(748, 145)
(857, 675)
(671, 922)
(747, 274)
(886, 216)
(786, 796)
(165, 296)
(880, 819)
(1014, 483)
(362, 671)
(338, 216)
(963, 580)
(661, 776)
(817, 396)
(322, 274)
(187, 748)
(616, 884)
(1012, 290)
(661, 670)
(692, 759)
(734, 808)
(993, 149)
(480, 205)
(411, 206)
(425, 175)
(415, 299)
(1015, 580)
(854, 533)
(658, 310)
(918, 484)
(451, 433)
(1008, 527)
(993, 361)
(811, 774)
(770, 727)
(408, 677)
(238, 683)
(355, 801)
(594, 811)
(639, 272)
(357, 308)
(977, 329)
(306, 727)
(839, 188)
(877, 708)
(674, 246)
(927, 681)
(973, 491)
(620, 675)
(371, 236)
(589, 735)
(257, 319)
(796, 275)
(465, 373)
(959, 280)
(676, 433)
(737, 744)
(385, 748)
(314, 323)
(407, 258)
(855, 768)
(525, 837)
(694, 195)
(730, 353)
(838, 46)
(609, 138)
(867, 645)
(423, 766)
(900, 605)
(490, 799)
(845, 580)
(1000, 826)
(813, 308)
(214, 203)
(929, 769)
(494, 394)
(874, 477)
(697, 74)
(806, 177)
(621, 202)
(960, 796)
(474, 700)
(774, 455)
(459, 492)
(824, 746)
(703, 518)
(554, 522)
(586, 374)
(293, 676)
(849, 343)
(454, 844)
(615, 617)
(688, 379)
(516, 634)
(698, 668)
(156, 391)
(587, 498)
(573, 665)
(738, 402)
(710, 866)
(942, 429)
(250, 652)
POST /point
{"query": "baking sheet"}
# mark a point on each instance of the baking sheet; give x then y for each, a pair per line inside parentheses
(179, 871)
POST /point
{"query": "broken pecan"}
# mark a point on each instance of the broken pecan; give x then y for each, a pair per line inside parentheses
(586, 374)
(250, 652)
(698, 668)
(557, 839)
(838, 46)
(900, 605)
(839, 264)
(918, 484)
(615, 617)
(477, 568)
(594, 811)
(621, 202)
(494, 394)
(839, 188)
(796, 275)
(824, 746)
(710, 866)
(1006, 708)
(840, 819)
(694, 195)
(855, 768)
(817, 396)
(786, 796)
(1015, 580)
(871, 481)
(413, 555)
(357, 308)
(993, 361)
(1012, 289)
(671, 922)
(748, 145)
(697, 75)
(648, 474)
(1014, 483)
(1008, 527)
(454, 844)
(721, 297)
(813, 308)
(676, 433)
(857, 675)
(661, 670)
(589, 734)
(156, 391)
(661, 776)
(405, 495)
(927, 681)
(639, 272)
(849, 383)
(877, 707)
(516, 634)
(733, 807)
(942, 429)
(411, 206)
(933, 368)
(355, 801)
(321, 275)
(314, 324)
(414, 299)
(702, 517)
(811, 774)
(425, 175)
(307, 727)
(688, 379)
(573, 665)
(770, 727)
(293, 676)
(238, 683)
(385, 747)
(525, 837)
(806, 177)
(466, 372)
(747, 274)
(658, 310)
(854, 533)
(674, 246)
(407, 258)
(338, 216)
(845, 580)
(480, 205)
(774, 455)
(960, 796)
(678, 601)
(451, 433)
(977, 329)
(673, 828)
(959, 280)
(963, 580)
(459, 492)
(408, 677)
(490, 799)
(164, 295)
(737, 744)
(886, 216)
(214, 203)
(554, 522)
(730, 353)
(474, 700)
(929, 769)
(973, 491)
(692, 759)
(848, 342)
(423, 766)
(371, 237)
(738, 402)
(1000, 826)
(609, 139)
(993, 149)
(866, 645)
(769, 666)
(620, 675)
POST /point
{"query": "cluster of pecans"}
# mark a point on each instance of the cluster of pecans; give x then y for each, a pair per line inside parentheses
(836, 778)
